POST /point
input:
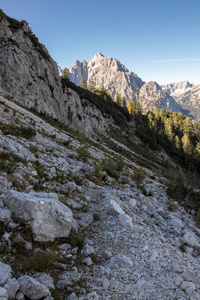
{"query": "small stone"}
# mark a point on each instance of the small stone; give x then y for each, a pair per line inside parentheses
(12, 287)
(72, 297)
(114, 208)
(132, 202)
(106, 283)
(87, 250)
(186, 284)
(5, 273)
(3, 294)
(88, 261)
(19, 296)
(5, 214)
(188, 276)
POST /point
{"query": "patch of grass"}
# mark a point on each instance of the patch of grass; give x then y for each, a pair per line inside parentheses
(112, 166)
(83, 153)
(19, 131)
(171, 204)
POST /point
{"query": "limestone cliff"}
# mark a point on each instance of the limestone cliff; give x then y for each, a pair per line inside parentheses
(29, 76)
(151, 96)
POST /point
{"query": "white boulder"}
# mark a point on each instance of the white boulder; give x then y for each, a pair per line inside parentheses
(47, 216)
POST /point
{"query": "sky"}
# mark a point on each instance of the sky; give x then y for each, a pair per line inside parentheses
(156, 39)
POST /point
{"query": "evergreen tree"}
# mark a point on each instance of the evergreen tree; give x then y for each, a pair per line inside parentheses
(187, 145)
(65, 73)
(119, 99)
(137, 108)
(130, 106)
(90, 86)
(124, 101)
(82, 83)
(177, 142)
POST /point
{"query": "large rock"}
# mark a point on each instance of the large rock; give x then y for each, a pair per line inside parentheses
(32, 288)
(190, 239)
(47, 217)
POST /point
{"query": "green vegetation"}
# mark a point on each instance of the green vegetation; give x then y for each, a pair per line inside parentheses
(19, 131)
(82, 83)
(112, 166)
(65, 73)
(83, 153)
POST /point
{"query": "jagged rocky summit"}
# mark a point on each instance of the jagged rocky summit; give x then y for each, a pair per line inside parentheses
(176, 89)
(151, 96)
(108, 72)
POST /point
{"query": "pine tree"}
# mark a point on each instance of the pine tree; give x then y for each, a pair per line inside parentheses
(119, 99)
(187, 145)
(82, 83)
(124, 101)
(130, 106)
(65, 73)
(137, 108)
(90, 86)
(177, 142)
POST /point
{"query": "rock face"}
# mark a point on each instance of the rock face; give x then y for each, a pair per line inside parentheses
(29, 75)
(151, 96)
(47, 217)
(108, 72)
(177, 88)
(189, 101)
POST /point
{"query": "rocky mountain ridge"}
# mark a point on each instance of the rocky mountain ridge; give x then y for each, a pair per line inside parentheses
(176, 89)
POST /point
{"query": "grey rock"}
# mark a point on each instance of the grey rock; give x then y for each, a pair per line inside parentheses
(125, 220)
(190, 239)
(186, 284)
(12, 287)
(5, 214)
(88, 261)
(106, 283)
(20, 296)
(114, 208)
(3, 294)
(72, 297)
(5, 273)
(31, 288)
(3, 185)
(45, 279)
(68, 278)
(87, 250)
(47, 217)
(121, 260)
(188, 276)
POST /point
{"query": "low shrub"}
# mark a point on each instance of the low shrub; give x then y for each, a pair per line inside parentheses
(112, 167)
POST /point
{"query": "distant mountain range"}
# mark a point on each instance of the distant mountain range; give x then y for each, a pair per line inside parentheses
(180, 96)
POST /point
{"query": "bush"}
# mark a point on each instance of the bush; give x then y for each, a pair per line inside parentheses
(112, 167)
(23, 131)
(83, 153)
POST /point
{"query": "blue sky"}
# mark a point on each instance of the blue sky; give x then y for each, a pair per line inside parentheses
(158, 40)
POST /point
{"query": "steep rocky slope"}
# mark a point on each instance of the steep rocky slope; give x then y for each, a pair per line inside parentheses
(126, 242)
(176, 89)
(108, 72)
(151, 96)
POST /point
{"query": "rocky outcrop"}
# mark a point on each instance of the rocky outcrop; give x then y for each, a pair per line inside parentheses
(47, 217)
(151, 96)
(108, 72)
(29, 76)
(177, 88)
